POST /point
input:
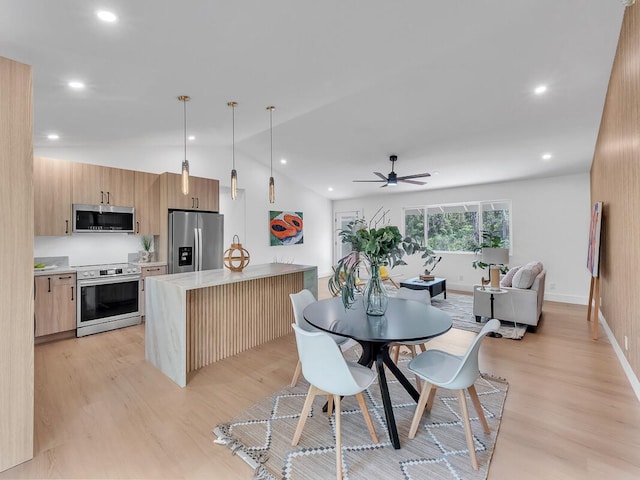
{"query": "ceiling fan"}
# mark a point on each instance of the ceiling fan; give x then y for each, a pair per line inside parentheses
(392, 179)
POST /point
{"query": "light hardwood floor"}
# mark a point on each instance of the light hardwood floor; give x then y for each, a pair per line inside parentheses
(102, 411)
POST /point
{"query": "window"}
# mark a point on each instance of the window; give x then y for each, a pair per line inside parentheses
(457, 227)
(414, 224)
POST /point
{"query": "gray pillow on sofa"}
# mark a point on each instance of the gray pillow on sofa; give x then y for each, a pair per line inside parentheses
(524, 277)
(507, 281)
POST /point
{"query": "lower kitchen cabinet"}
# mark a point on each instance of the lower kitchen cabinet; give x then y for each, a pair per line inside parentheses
(55, 303)
(149, 272)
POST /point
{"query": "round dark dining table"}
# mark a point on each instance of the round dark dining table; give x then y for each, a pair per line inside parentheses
(404, 320)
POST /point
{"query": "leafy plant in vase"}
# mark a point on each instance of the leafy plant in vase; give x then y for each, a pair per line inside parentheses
(375, 247)
(147, 243)
(493, 247)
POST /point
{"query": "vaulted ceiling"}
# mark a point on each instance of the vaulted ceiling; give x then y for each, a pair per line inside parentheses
(446, 86)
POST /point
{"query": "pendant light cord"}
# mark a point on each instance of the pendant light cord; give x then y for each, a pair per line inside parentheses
(271, 136)
(185, 128)
(233, 136)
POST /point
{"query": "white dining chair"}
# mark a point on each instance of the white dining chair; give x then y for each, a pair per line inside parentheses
(422, 296)
(328, 373)
(299, 301)
(445, 370)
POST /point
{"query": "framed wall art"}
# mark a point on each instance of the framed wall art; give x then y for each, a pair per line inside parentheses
(285, 228)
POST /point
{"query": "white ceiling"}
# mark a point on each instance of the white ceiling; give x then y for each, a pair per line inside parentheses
(447, 86)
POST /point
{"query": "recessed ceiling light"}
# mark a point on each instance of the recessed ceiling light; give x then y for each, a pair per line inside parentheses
(283, 161)
(76, 85)
(546, 156)
(191, 137)
(540, 89)
(330, 189)
(106, 16)
(436, 172)
(53, 136)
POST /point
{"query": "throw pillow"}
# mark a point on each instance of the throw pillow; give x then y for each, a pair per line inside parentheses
(524, 277)
(507, 281)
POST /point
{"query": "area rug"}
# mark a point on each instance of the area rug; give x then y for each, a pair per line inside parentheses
(262, 436)
(460, 307)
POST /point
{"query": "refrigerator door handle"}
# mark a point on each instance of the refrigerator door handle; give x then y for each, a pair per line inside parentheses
(200, 246)
(196, 250)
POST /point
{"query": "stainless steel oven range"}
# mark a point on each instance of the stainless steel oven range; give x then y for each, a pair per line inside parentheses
(108, 298)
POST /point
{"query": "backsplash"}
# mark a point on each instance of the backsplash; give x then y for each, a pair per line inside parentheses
(89, 248)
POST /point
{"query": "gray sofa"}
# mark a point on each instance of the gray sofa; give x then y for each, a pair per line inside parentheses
(522, 305)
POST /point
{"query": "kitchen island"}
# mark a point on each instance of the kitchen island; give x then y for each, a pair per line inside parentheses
(197, 318)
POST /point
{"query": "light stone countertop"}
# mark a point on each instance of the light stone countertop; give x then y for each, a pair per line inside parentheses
(53, 271)
(223, 276)
(148, 264)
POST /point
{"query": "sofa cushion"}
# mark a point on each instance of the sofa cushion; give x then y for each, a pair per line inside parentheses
(525, 276)
(507, 281)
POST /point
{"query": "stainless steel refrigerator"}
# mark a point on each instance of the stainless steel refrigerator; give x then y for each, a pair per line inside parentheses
(195, 241)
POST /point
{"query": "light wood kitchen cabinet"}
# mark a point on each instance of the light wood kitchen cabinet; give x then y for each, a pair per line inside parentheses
(95, 185)
(147, 203)
(203, 193)
(55, 303)
(51, 197)
(149, 272)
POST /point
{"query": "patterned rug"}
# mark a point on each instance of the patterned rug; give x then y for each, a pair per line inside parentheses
(262, 436)
(460, 307)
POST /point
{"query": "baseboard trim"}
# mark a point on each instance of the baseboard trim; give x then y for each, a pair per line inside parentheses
(633, 379)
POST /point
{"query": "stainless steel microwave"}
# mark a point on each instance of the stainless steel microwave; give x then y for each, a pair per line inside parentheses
(103, 218)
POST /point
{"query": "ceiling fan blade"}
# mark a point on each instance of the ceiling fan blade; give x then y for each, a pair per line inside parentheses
(376, 181)
(386, 184)
(415, 182)
(383, 177)
(417, 175)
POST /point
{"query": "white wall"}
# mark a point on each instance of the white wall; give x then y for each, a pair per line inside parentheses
(550, 222)
(247, 216)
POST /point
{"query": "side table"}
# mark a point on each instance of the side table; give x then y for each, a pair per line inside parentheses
(492, 292)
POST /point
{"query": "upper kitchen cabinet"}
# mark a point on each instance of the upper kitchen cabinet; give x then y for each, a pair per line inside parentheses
(95, 185)
(147, 203)
(203, 193)
(51, 197)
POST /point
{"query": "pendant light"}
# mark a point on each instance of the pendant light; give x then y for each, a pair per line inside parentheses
(272, 189)
(234, 174)
(185, 164)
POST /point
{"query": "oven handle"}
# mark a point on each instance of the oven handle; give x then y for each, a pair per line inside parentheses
(106, 280)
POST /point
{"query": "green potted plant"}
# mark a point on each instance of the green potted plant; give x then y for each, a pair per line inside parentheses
(147, 243)
(375, 247)
(490, 240)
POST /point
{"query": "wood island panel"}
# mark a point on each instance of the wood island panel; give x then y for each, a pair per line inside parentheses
(221, 323)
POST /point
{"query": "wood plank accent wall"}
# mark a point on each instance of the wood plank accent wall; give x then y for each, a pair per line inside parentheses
(219, 325)
(16, 258)
(615, 180)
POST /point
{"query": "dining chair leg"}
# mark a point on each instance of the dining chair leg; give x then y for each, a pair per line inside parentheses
(412, 349)
(296, 374)
(313, 391)
(329, 405)
(476, 403)
(422, 402)
(336, 399)
(423, 347)
(396, 354)
(432, 396)
(367, 417)
(462, 399)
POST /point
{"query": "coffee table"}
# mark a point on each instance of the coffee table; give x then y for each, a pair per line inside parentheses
(435, 286)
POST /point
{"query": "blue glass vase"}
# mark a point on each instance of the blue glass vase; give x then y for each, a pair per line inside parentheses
(375, 296)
